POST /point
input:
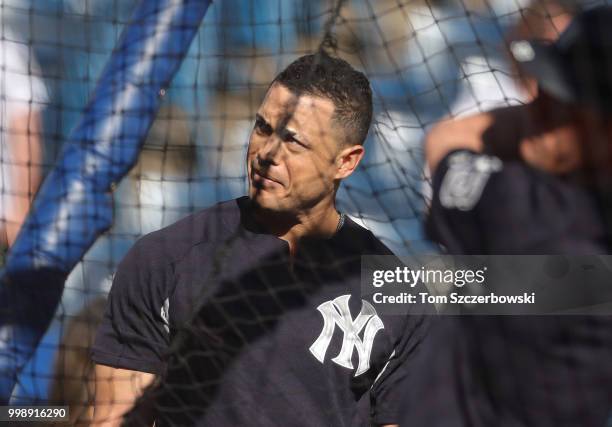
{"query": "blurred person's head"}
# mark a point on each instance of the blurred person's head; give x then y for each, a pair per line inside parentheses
(73, 371)
(574, 82)
(308, 135)
(544, 21)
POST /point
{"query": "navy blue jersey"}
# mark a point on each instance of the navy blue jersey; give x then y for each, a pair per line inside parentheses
(483, 371)
(481, 206)
(240, 334)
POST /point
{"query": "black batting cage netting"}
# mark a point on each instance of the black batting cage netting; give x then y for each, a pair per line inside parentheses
(187, 189)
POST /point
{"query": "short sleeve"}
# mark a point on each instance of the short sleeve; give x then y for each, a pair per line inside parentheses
(386, 396)
(458, 185)
(483, 205)
(135, 331)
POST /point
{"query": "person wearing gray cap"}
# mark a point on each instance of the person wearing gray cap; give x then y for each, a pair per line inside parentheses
(529, 179)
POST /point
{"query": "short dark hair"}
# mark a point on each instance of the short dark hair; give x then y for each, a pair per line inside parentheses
(328, 77)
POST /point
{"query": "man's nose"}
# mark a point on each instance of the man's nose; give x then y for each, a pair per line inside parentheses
(269, 152)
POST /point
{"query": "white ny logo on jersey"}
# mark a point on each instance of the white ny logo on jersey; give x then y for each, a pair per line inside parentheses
(337, 312)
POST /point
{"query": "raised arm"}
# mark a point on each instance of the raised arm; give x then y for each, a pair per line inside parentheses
(455, 134)
(522, 132)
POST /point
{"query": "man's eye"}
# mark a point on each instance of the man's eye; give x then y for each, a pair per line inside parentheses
(295, 144)
(262, 127)
(290, 139)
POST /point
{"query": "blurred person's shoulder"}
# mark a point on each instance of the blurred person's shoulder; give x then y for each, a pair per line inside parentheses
(482, 204)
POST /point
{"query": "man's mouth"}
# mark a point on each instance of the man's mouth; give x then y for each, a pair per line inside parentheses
(263, 180)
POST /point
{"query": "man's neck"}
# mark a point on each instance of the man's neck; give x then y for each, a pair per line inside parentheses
(320, 221)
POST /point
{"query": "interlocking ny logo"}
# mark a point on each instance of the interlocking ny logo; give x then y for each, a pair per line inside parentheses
(337, 312)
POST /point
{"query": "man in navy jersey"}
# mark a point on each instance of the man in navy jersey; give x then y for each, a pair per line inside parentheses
(250, 312)
(531, 179)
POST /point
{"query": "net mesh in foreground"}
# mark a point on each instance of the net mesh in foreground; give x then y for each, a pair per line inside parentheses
(425, 60)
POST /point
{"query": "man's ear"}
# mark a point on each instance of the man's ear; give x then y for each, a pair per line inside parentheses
(347, 160)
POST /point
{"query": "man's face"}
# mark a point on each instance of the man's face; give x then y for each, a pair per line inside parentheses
(293, 149)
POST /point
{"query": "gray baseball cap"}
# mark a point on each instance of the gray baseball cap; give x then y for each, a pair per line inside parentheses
(577, 67)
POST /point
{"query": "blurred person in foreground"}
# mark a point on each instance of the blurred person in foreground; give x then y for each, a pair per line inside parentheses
(529, 179)
(22, 97)
(250, 312)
